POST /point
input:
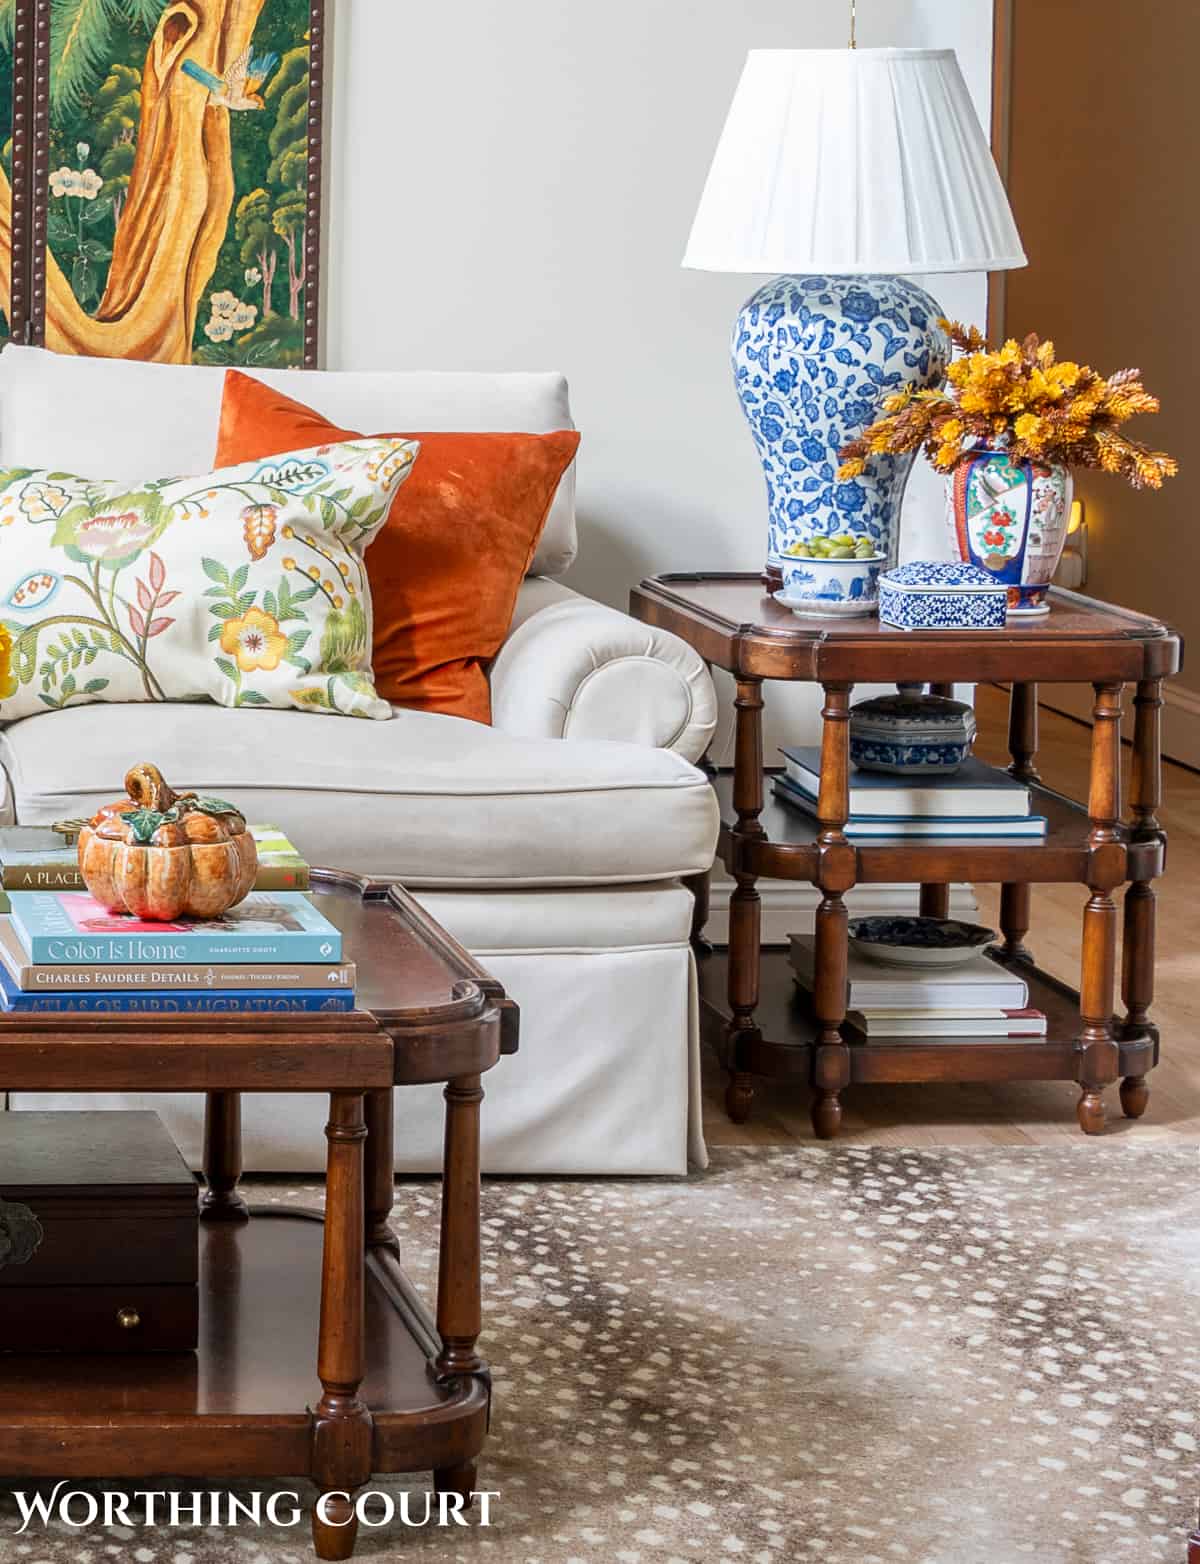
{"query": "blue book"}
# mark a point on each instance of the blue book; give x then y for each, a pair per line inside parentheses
(208, 1001)
(908, 826)
(975, 791)
(68, 927)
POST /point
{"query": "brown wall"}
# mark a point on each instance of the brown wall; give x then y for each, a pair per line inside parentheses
(1104, 175)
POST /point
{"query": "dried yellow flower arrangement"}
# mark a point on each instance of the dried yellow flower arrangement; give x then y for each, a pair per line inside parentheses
(1019, 398)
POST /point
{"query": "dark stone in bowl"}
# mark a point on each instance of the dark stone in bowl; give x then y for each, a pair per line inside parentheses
(919, 941)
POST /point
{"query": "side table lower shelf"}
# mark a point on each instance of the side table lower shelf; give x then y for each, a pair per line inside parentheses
(784, 1048)
(239, 1406)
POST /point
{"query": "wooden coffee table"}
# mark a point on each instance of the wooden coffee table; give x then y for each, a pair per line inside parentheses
(766, 1028)
(398, 1390)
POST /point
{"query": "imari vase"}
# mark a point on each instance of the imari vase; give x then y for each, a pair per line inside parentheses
(1011, 518)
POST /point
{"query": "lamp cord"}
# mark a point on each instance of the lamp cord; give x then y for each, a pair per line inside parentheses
(854, 24)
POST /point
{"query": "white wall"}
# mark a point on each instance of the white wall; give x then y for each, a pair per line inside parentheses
(511, 183)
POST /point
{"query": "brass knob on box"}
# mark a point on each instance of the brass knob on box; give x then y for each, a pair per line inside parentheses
(128, 1319)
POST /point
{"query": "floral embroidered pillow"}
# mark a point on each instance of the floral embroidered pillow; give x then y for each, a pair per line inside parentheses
(245, 587)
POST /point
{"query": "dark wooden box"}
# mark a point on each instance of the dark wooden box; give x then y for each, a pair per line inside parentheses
(99, 1235)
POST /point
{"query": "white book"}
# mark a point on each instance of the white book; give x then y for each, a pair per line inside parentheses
(1014, 1024)
(979, 983)
(916, 1013)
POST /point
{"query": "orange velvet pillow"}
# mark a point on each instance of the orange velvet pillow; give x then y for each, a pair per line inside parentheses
(445, 568)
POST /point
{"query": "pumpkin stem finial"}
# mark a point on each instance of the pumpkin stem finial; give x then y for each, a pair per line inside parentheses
(145, 785)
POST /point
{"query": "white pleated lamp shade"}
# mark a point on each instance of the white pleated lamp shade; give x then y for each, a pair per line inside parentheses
(853, 161)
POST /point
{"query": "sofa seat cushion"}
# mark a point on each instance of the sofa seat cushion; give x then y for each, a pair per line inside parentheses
(435, 800)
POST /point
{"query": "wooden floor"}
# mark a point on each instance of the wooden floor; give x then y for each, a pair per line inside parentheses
(1032, 1114)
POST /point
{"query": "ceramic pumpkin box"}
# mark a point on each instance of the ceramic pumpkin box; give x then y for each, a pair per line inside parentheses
(162, 855)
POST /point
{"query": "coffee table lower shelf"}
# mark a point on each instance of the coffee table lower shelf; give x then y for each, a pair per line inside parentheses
(239, 1406)
(784, 1050)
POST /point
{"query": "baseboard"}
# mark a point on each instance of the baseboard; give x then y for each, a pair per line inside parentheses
(1181, 724)
(1181, 715)
(789, 906)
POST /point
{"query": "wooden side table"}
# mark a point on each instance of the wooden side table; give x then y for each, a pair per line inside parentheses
(767, 1028)
(316, 1353)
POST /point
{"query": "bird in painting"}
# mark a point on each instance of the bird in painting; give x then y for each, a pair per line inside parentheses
(239, 87)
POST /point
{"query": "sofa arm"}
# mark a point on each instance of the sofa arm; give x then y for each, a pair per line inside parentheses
(572, 668)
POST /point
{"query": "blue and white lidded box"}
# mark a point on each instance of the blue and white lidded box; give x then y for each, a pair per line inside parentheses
(929, 594)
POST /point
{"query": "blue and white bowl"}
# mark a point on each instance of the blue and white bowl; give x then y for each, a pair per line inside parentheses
(942, 595)
(831, 588)
(911, 735)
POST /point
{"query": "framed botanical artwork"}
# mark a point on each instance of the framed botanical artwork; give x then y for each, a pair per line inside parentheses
(163, 178)
(14, 52)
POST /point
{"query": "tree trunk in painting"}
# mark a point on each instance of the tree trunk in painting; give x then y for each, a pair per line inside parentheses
(177, 208)
(267, 261)
(296, 269)
(296, 283)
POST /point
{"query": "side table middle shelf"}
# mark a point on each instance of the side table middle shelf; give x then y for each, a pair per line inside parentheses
(767, 1027)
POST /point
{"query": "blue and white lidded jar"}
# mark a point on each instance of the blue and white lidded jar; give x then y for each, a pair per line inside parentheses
(930, 594)
(911, 735)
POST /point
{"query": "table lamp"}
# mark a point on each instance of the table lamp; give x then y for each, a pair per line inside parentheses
(841, 168)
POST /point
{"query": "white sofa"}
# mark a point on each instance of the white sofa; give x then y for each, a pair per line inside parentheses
(552, 844)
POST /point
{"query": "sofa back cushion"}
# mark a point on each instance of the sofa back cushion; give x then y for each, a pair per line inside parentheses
(120, 418)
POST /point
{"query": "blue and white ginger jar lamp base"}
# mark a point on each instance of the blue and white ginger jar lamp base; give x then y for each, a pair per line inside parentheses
(813, 358)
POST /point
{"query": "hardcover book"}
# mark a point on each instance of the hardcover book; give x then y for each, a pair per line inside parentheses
(932, 1024)
(974, 791)
(280, 866)
(914, 826)
(182, 976)
(52, 865)
(29, 839)
(213, 1001)
(57, 927)
(979, 983)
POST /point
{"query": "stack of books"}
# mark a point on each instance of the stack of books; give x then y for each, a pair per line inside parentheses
(977, 800)
(273, 952)
(978, 999)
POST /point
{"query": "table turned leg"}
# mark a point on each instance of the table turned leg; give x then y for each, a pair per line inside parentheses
(1137, 968)
(836, 869)
(1022, 747)
(462, 1480)
(1015, 920)
(460, 1287)
(745, 908)
(1023, 732)
(935, 901)
(381, 1169)
(1099, 1054)
(223, 1159)
(459, 1295)
(700, 886)
(745, 936)
(342, 1430)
